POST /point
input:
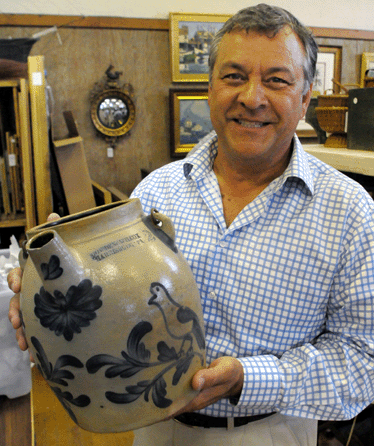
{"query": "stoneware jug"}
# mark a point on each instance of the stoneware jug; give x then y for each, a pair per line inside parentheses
(112, 316)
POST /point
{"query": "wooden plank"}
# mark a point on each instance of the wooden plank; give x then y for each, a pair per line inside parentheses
(15, 421)
(68, 141)
(53, 426)
(146, 24)
(12, 221)
(71, 123)
(117, 195)
(83, 21)
(10, 174)
(15, 172)
(4, 188)
(9, 83)
(102, 194)
(75, 177)
(40, 137)
(26, 153)
(342, 33)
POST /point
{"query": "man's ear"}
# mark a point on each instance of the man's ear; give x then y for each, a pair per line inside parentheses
(306, 99)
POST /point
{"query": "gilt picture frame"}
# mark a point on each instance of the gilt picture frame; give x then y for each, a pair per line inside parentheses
(329, 66)
(190, 39)
(367, 63)
(189, 119)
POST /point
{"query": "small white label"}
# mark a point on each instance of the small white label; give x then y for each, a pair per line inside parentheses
(355, 100)
(12, 160)
(37, 78)
(110, 152)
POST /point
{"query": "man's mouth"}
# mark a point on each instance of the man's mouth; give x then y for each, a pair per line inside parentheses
(251, 124)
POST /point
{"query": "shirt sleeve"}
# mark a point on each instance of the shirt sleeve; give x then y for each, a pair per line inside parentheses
(333, 376)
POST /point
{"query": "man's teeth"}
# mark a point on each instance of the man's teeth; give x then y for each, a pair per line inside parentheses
(251, 125)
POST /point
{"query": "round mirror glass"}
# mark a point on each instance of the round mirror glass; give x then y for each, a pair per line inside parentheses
(113, 112)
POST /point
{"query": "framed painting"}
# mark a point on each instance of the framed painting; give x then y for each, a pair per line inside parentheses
(189, 119)
(191, 36)
(329, 67)
(367, 63)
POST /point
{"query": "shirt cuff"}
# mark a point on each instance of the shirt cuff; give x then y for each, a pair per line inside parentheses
(262, 383)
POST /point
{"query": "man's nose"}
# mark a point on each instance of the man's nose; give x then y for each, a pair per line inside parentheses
(252, 94)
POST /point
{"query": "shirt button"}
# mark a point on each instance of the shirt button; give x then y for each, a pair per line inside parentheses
(223, 244)
(212, 295)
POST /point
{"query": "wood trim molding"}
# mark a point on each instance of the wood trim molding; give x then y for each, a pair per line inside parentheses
(146, 24)
(340, 33)
(82, 22)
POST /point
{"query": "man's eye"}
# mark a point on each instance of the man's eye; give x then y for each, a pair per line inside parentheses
(277, 81)
(233, 76)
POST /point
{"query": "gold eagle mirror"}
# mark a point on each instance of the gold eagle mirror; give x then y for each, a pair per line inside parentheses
(112, 106)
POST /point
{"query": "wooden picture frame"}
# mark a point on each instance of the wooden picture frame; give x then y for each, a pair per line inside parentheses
(367, 62)
(329, 66)
(190, 39)
(190, 119)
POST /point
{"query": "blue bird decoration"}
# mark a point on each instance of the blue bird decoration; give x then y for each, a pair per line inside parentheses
(162, 299)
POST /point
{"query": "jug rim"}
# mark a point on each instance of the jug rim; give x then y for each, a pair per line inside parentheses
(80, 215)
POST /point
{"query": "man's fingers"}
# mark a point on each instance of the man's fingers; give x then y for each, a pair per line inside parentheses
(14, 312)
(14, 279)
(20, 336)
(53, 217)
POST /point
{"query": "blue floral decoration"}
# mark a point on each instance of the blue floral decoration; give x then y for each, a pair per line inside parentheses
(52, 270)
(137, 357)
(59, 375)
(67, 314)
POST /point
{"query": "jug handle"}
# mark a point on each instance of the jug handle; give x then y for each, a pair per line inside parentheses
(163, 222)
(23, 255)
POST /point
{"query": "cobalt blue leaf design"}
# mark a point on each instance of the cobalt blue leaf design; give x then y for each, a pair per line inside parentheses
(134, 346)
(137, 358)
(134, 392)
(166, 353)
(52, 269)
(159, 393)
(181, 367)
(67, 314)
(132, 363)
(66, 398)
(57, 375)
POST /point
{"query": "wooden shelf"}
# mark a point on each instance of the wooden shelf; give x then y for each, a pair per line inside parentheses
(11, 221)
(346, 160)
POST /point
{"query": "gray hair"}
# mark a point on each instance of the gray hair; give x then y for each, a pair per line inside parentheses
(268, 20)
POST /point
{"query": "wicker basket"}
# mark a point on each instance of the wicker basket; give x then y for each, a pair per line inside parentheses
(332, 119)
(333, 100)
(336, 141)
(369, 82)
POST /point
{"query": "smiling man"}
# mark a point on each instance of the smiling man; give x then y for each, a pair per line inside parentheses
(282, 250)
(256, 103)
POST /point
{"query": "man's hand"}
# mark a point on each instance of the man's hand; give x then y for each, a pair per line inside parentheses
(222, 379)
(14, 282)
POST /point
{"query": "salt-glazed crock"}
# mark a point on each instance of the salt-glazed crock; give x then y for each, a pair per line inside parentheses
(112, 316)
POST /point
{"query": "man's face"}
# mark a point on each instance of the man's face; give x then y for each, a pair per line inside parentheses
(256, 94)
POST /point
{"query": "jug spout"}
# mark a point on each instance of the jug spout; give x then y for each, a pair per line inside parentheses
(51, 257)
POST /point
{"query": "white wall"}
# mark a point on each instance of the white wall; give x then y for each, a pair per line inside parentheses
(351, 14)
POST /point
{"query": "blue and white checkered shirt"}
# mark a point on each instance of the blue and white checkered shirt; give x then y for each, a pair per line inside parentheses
(288, 287)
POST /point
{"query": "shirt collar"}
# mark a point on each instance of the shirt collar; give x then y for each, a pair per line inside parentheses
(298, 167)
(200, 161)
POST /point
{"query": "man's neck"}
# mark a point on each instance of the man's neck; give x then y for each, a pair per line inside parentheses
(241, 182)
